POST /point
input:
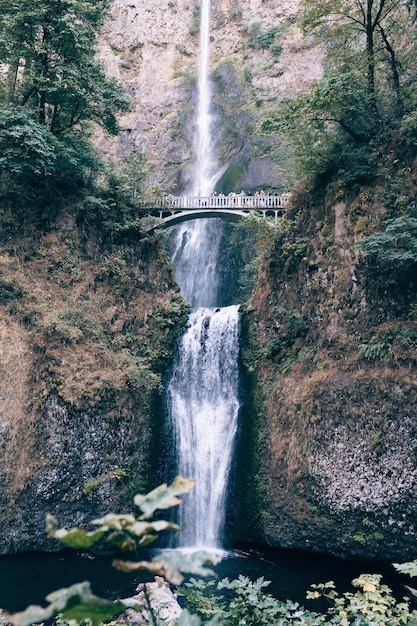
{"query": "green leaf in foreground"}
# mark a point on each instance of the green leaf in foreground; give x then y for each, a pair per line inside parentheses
(171, 564)
(164, 496)
(75, 602)
(96, 611)
(125, 531)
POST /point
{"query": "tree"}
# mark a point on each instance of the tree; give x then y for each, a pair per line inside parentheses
(362, 33)
(53, 87)
(327, 129)
(49, 48)
(346, 122)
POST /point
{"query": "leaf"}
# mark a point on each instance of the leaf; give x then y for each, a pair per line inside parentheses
(172, 564)
(111, 521)
(74, 538)
(96, 611)
(79, 538)
(74, 600)
(163, 497)
(190, 563)
(159, 568)
(409, 568)
(140, 528)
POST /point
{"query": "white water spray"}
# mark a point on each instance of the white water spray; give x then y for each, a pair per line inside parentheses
(203, 391)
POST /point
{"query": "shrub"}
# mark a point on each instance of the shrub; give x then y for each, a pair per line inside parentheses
(246, 603)
(395, 245)
(121, 533)
(262, 40)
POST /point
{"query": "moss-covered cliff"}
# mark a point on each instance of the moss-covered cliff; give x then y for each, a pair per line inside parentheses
(86, 333)
(333, 351)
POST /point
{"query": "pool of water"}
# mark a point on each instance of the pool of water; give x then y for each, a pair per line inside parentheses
(28, 578)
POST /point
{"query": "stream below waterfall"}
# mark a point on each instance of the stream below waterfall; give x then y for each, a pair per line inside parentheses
(28, 578)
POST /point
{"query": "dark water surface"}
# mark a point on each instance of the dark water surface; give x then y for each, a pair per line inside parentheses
(28, 578)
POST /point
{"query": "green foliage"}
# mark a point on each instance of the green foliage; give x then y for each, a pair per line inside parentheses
(393, 344)
(52, 88)
(74, 602)
(247, 242)
(395, 245)
(112, 209)
(374, 350)
(342, 127)
(409, 568)
(290, 326)
(327, 128)
(236, 13)
(26, 147)
(49, 47)
(247, 604)
(408, 131)
(195, 24)
(305, 355)
(90, 488)
(366, 35)
(373, 603)
(125, 533)
(268, 39)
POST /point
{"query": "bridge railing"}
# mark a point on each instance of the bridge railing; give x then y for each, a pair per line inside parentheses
(232, 201)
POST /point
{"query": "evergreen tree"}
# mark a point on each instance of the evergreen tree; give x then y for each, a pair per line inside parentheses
(53, 86)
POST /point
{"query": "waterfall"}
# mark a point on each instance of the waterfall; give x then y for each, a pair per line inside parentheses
(204, 402)
(205, 166)
(202, 395)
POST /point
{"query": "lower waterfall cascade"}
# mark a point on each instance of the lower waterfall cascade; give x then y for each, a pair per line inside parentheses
(204, 406)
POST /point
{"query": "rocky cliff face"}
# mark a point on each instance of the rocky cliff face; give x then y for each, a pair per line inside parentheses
(85, 336)
(257, 56)
(337, 467)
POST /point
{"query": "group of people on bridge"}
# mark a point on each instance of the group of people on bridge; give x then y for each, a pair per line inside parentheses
(232, 200)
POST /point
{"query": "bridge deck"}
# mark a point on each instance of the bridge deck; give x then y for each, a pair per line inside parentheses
(232, 201)
(175, 209)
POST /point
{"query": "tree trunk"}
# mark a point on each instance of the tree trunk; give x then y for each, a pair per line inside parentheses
(370, 54)
(394, 71)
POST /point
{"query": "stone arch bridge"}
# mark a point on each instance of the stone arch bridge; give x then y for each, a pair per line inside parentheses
(173, 210)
